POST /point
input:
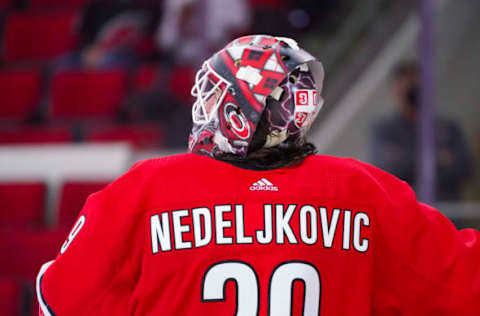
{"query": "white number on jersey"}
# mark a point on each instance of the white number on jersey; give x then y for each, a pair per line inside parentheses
(73, 233)
(280, 288)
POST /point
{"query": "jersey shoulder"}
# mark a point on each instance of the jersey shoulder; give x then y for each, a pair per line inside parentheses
(346, 164)
(357, 173)
(177, 165)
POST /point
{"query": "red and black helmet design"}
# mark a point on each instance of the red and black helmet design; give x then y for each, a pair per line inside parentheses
(233, 86)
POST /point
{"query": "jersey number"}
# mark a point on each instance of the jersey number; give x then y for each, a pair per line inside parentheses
(73, 233)
(280, 288)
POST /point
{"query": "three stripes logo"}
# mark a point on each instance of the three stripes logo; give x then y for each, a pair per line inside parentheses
(263, 185)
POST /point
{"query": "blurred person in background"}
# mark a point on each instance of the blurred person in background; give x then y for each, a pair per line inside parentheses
(193, 29)
(109, 32)
(321, 16)
(394, 139)
(476, 185)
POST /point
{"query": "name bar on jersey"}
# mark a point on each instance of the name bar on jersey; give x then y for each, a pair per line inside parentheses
(313, 226)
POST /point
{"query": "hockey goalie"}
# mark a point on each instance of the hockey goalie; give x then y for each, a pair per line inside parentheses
(252, 222)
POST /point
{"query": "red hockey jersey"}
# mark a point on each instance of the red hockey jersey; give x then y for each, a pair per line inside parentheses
(190, 235)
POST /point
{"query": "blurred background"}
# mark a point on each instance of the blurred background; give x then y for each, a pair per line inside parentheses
(87, 88)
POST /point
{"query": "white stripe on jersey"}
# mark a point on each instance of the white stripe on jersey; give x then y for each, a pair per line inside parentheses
(41, 302)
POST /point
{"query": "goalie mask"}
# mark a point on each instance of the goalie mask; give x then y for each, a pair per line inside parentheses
(251, 77)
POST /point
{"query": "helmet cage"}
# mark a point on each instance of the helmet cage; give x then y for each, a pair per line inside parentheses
(209, 90)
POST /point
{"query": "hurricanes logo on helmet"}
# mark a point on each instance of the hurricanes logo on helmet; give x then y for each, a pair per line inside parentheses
(238, 122)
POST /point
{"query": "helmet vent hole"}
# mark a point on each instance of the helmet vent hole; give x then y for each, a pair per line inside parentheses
(285, 57)
(237, 63)
(292, 79)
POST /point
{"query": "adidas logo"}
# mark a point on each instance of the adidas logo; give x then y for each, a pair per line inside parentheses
(263, 185)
